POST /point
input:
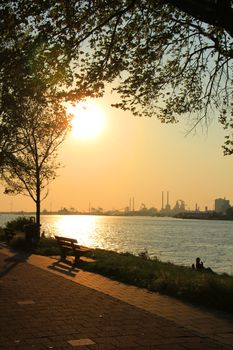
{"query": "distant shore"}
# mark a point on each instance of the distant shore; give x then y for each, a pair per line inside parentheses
(183, 215)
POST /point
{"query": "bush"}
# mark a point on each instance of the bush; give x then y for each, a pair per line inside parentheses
(18, 223)
(2, 235)
(47, 246)
(144, 255)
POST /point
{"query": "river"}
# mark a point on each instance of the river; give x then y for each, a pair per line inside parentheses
(175, 240)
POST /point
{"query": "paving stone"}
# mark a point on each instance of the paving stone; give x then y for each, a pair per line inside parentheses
(80, 342)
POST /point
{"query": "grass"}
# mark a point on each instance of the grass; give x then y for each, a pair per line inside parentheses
(200, 288)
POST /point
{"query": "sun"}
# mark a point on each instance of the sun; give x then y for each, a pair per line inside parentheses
(88, 121)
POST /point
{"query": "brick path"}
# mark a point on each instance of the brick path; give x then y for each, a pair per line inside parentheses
(40, 309)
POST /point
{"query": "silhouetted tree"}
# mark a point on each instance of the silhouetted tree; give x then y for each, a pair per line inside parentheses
(167, 57)
(29, 169)
(35, 73)
(170, 58)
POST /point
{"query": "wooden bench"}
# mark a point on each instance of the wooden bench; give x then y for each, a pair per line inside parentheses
(9, 234)
(71, 246)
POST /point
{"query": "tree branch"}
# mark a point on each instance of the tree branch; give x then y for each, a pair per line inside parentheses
(214, 12)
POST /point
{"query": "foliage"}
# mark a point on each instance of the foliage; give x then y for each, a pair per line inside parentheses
(34, 73)
(18, 223)
(166, 58)
(203, 288)
(42, 129)
(2, 235)
(36, 50)
(30, 168)
(167, 62)
(46, 246)
(144, 254)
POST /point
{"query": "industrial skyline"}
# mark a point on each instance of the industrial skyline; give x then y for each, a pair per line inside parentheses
(164, 205)
(220, 205)
(137, 158)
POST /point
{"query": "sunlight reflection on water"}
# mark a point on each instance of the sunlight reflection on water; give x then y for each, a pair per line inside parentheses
(178, 241)
(73, 226)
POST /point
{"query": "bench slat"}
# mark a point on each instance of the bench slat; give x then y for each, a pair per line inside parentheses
(65, 239)
(71, 245)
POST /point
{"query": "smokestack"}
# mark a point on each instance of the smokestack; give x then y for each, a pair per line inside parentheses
(167, 198)
(133, 203)
(162, 199)
(130, 204)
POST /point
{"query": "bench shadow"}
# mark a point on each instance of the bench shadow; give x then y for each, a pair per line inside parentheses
(65, 267)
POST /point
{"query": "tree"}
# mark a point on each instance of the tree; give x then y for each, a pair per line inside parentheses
(33, 165)
(169, 58)
(36, 48)
(215, 12)
(36, 61)
(35, 73)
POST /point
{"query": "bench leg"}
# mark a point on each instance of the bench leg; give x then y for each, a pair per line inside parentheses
(63, 255)
(76, 259)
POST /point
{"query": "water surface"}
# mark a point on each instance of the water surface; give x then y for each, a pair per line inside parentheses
(176, 240)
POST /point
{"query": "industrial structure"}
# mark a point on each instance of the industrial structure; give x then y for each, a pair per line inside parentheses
(178, 210)
(221, 205)
(167, 210)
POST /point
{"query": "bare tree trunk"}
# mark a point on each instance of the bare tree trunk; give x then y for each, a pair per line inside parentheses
(38, 209)
(38, 219)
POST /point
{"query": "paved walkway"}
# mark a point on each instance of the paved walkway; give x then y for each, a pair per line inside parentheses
(42, 308)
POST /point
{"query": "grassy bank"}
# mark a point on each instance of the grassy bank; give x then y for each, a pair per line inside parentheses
(201, 288)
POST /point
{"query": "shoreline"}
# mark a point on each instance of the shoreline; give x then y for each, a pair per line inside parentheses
(178, 241)
(196, 287)
(184, 216)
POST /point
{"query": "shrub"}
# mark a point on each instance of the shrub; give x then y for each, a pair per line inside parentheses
(47, 246)
(18, 223)
(144, 255)
(2, 235)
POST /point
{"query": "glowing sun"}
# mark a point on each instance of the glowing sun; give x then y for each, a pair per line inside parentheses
(88, 121)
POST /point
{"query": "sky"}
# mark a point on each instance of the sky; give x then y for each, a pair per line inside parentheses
(140, 158)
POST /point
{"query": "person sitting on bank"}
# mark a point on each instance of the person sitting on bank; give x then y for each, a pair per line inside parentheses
(199, 264)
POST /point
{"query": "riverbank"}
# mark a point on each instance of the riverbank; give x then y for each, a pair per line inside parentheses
(175, 240)
(200, 288)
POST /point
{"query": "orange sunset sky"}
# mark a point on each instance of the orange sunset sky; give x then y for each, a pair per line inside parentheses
(136, 157)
